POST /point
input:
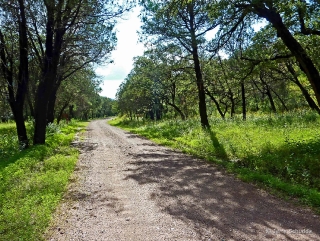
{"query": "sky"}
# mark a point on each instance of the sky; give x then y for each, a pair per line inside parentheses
(127, 48)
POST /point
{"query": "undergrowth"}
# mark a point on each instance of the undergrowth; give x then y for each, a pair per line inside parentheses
(32, 181)
(280, 151)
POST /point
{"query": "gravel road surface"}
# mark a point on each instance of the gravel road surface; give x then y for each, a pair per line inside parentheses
(128, 188)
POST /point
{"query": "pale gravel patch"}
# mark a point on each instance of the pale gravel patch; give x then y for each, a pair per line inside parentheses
(129, 188)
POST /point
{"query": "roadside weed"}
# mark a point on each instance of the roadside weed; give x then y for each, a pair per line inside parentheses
(280, 151)
(32, 182)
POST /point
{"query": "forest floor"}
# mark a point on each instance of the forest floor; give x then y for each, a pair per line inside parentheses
(128, 188)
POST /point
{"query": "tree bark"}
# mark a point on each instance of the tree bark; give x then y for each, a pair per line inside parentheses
(51, 105)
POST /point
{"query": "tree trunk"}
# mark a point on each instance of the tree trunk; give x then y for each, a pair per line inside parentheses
(266, 90)
(243, 98)
(197, 69)
(183, 117)
(201, 94)
(51, 105)
(305, 62)
(305, 93)
(272, 105)
(281, 100)
(52, 100)
(61, 112)
(17, 102)
(20, 125)
(71, 112)
(23, 77)
(54, 39)
(233, 105)
(30, 105)
(216, 103)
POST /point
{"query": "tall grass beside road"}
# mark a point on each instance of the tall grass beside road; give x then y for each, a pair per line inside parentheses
(32, 181)
(279, 151)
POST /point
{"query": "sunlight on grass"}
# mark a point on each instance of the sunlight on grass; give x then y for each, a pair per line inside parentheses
(279, 151)
(32, 181)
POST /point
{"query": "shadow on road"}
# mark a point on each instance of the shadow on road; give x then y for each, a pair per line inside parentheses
(212, 201)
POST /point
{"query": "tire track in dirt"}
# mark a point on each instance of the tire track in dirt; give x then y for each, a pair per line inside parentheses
(129, 188)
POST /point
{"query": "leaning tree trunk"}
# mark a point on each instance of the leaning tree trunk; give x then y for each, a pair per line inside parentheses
(304, 91)
(307, 96)
(216, 103)
(268, 93)
(280, 99)
(183, 117)
(305, 62)
(272, 105)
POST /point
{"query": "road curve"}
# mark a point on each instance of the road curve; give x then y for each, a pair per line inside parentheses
(128, 188)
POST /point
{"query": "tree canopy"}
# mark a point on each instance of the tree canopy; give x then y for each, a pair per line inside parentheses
(47, 43)
(263, 56)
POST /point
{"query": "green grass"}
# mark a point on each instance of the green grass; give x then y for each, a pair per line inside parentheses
(280, 152)
(8, 140)
(32, 181)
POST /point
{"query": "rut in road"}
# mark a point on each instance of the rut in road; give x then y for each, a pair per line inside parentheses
(128, 188)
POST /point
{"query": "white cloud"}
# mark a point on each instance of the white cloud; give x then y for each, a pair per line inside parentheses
(127, 48)
(109, 88)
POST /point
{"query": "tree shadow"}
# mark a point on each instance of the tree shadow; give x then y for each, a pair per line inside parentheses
(36, 152)
(134, 136)
(215, 203)
(220, 151)
(294, 162)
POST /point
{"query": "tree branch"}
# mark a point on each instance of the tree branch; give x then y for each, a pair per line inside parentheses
(258, 61)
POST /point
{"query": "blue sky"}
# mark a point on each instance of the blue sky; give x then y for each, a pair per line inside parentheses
(127, 48)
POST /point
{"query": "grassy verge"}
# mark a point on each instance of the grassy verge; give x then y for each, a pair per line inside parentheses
(280, 152)
(32, 181)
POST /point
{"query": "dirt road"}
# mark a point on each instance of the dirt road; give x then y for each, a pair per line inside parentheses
(128, 188)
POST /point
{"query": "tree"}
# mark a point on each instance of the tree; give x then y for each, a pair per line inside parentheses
(293, 21)
(16, 85)
(135, 95)
(269, 56)
(65, 21)
(183, 24)
(82, 85)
